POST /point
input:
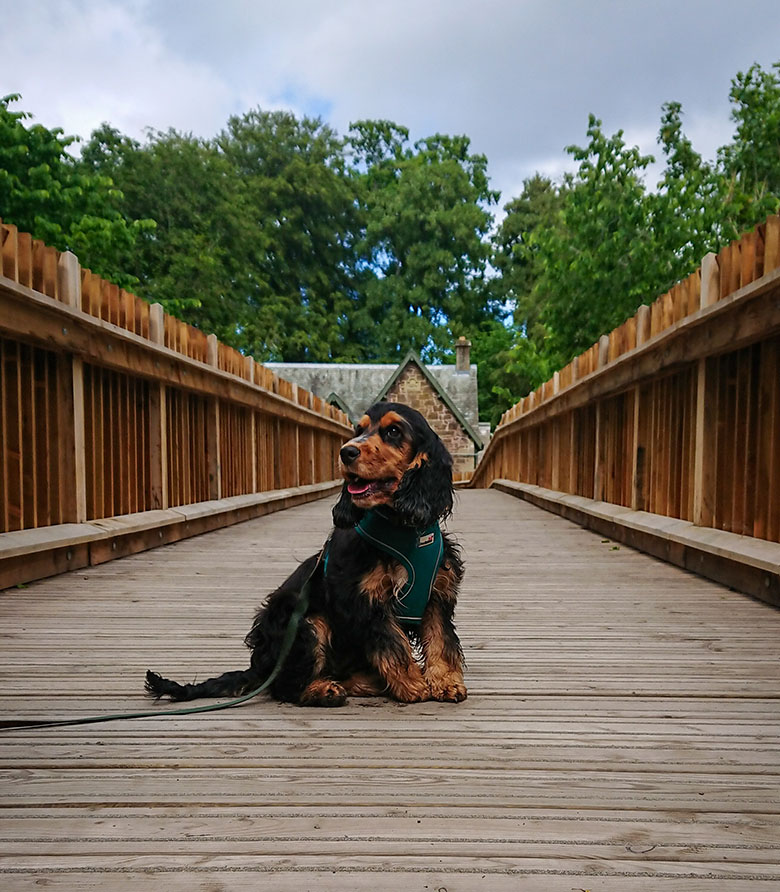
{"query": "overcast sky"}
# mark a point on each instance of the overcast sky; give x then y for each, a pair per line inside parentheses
(519, 77)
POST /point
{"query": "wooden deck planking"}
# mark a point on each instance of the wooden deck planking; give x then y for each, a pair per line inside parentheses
(622, 730)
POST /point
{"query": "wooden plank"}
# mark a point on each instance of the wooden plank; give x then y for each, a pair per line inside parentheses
(24, 259)
(30, 437)
(749, 445)
(765, 523)
(719, 555)
(772, 244)
(13, 420)
(158, 445)
(9, 263)
(621, 731)
(98, 453)
(51, 388)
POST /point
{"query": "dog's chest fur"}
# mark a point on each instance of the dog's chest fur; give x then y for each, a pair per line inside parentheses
(384, 581)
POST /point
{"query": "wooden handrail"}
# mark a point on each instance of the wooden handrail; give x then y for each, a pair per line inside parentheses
(111, 407)
(676, 412)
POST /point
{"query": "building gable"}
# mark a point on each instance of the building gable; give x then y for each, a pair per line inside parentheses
(413, 385)
(412, 360)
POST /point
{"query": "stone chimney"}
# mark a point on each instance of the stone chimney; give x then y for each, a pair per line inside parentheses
(462, 355)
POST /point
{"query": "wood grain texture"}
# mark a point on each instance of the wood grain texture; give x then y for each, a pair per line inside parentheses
(621, 734)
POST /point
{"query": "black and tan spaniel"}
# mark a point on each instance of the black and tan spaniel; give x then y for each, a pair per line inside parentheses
(382, 595)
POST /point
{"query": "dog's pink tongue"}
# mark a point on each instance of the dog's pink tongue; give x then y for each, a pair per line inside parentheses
(356, 489)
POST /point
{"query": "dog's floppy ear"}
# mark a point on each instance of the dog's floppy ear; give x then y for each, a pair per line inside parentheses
(345, 514)
(425, 493)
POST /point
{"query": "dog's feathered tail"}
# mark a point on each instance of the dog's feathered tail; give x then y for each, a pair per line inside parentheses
(229, 684)
(265, 640)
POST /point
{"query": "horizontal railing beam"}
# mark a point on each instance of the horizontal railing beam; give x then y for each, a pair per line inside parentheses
(28, 315)
(729, 324)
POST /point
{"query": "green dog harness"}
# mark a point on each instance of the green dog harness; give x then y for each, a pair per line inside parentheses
(420, 553)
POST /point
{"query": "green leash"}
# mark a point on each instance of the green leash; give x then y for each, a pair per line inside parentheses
(287, 642)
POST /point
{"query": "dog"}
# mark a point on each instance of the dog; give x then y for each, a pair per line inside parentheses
(356, 637)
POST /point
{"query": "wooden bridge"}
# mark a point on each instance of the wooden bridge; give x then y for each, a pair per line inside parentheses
(623, 725)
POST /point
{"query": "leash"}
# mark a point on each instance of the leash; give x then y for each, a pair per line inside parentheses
(287, 642)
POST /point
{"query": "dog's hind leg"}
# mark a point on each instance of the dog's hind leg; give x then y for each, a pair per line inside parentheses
(229, 684)
(323, 692)
(306, 675)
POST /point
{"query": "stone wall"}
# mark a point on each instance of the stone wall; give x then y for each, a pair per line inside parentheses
(413, 388)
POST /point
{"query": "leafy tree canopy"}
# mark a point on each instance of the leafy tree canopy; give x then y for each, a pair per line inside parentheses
(423, 249)
(43, 192)
(293, 243)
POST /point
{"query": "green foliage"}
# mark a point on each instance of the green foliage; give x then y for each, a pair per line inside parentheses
(516, 252)
(43, 192)
(600, 260)
(686, 211)
(751, 162)
(294, 244)
(510, 365)
(298, 207)
(423, 248)
(575, 261)
(254, 230)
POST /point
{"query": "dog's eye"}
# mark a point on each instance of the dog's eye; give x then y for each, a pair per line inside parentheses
(393, 432)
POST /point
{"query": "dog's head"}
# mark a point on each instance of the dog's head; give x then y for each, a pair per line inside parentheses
(394, 459)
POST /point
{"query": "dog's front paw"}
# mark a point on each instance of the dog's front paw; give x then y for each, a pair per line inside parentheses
(446, 686)
(449, 693)
(412, 691)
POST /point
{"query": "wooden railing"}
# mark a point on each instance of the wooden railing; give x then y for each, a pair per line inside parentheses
(675, 413)
(110, 407)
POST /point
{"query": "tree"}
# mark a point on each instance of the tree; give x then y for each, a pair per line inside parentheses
(44, 192)
(299, 206)
(516, 252)
(181, 183)
(601, 262)
(254, 230)
(750, 164)
(423, 249)
(509, 364)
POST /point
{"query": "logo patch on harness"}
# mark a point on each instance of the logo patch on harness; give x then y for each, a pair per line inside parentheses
(426, 540)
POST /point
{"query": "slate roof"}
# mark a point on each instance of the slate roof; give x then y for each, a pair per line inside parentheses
(357, 385)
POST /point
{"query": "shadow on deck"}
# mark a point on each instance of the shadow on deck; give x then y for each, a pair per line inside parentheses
(622, 729)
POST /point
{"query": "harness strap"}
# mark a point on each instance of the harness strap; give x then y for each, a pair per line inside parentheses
(419, 551)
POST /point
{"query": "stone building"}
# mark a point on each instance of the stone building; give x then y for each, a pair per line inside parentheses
(445, 394)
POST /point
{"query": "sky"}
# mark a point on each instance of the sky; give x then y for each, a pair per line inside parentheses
(519, 77)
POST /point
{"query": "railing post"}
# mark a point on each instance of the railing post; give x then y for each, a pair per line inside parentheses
(704, 446)
(638, 453)
(69, 280)
(598, 458)
(603, 351)
(710, 280)
(158, 420)
(642, 324)
(250, 373)
(598, 461)
(70, 405)
(212, 425)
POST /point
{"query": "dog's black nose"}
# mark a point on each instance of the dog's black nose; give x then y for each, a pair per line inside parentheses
(349, 454)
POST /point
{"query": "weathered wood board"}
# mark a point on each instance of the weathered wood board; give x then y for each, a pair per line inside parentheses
(622, 730)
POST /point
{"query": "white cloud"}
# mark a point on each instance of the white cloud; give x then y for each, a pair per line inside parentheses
(517, 76)
(88, 62)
